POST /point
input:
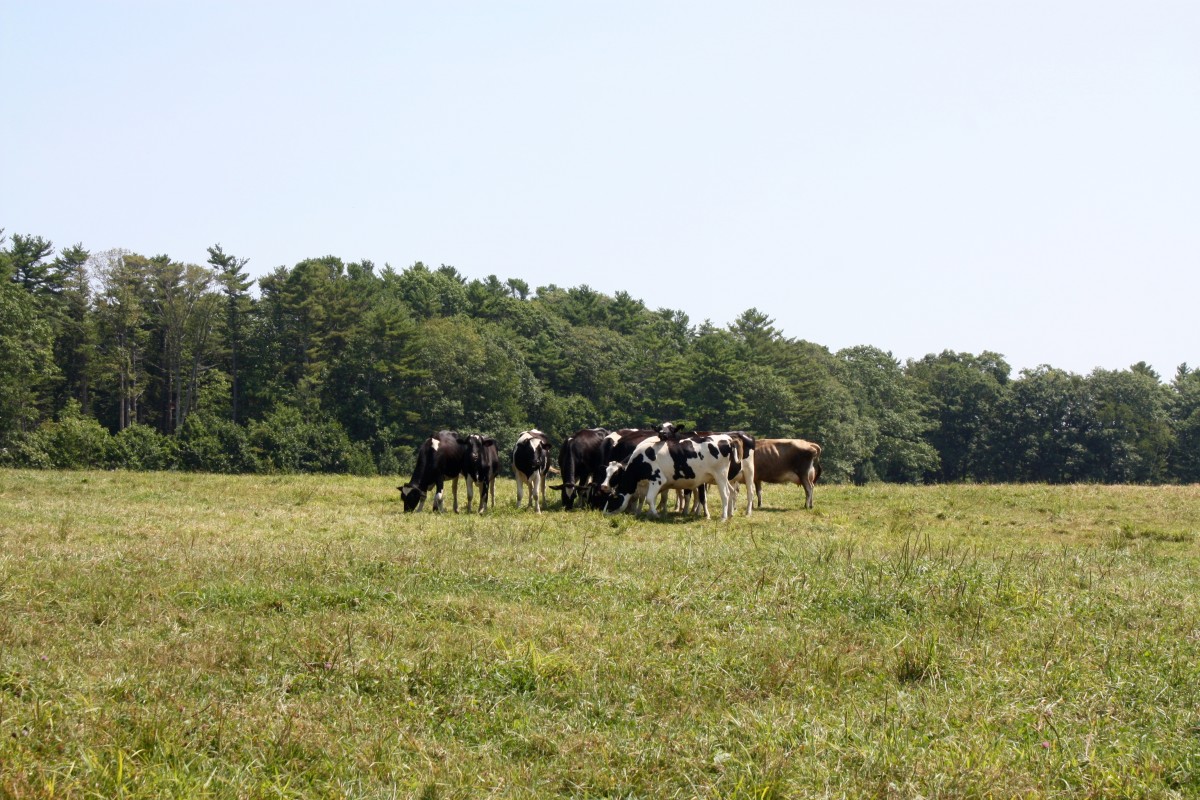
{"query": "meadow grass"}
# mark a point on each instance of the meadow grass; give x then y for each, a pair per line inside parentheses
(179, 635)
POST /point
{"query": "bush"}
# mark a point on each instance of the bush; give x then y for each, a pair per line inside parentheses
(140, 447)
(71, 442)
(288, 442)
(209, 443)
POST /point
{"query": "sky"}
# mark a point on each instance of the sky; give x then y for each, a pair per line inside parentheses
(1019, 176)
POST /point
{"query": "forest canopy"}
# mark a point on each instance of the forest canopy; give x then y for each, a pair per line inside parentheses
(118, 360)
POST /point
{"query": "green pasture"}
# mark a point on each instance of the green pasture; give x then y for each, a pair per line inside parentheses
(184, 635)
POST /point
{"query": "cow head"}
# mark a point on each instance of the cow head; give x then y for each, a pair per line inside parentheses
(411, 495)
(608, 495)
(569, 492)
(476, 446)
(667, 430)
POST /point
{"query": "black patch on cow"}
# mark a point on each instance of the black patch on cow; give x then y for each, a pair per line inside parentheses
(681, 453)
(713, 450)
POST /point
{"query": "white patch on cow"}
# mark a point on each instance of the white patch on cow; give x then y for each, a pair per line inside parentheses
(436, 444)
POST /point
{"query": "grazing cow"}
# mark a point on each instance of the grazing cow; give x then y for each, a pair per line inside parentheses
(482, 466)
(531, 462)
(439, 457)
(617, 447)
(579, 462)
(675, 464)
(787, 461)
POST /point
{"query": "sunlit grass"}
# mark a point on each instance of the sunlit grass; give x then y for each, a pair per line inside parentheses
(189, 636)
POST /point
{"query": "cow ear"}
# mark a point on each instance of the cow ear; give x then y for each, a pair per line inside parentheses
(490, 440)
(405, 490)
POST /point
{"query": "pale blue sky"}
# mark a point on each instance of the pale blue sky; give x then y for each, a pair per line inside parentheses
(1021, 177)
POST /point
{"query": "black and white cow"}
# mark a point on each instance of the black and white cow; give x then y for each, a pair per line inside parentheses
(440, 457)
(742, 473)
(685, 463)
(618, 446)
(482, 467)
(579, 462)
(531, 462)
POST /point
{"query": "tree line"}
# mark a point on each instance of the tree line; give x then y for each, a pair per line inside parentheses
(114, 359)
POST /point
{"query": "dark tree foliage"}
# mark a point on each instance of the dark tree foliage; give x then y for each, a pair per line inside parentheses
(121, 360)
(964, 391)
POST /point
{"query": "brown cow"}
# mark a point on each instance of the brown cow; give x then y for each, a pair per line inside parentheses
(787, 461)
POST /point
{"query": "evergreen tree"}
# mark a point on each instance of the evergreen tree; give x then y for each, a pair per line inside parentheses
(75, 343)
(235, 284)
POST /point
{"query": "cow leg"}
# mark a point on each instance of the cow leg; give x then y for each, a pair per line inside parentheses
(651, 498)
(470, 492)
(726, 496)
(748, 480)
(520, 482)
(438, 504)
(758, 491)
(700, 501)
(808, 489)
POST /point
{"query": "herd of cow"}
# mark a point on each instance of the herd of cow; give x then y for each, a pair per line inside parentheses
(610, 470)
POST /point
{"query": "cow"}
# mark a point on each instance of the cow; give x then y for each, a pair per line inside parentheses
(440, 457)
(787, 461)
(617, 446)
(685, 463)
(579, 462)
(482, 466)
(748, 467)
(742, 473)
(531, 462)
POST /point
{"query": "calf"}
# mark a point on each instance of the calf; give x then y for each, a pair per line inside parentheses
(579, 460)
(675, 464)
(482, 466)
(531, 462)
(787, 461)
(439, 457)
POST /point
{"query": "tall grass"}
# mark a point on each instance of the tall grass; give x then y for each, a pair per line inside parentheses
(170, 635)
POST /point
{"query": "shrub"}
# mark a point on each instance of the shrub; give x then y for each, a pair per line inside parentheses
(71, 442)
(208, 443)
(286, 441)
(140, 447)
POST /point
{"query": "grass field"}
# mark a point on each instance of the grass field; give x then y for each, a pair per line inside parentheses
(177, 635)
